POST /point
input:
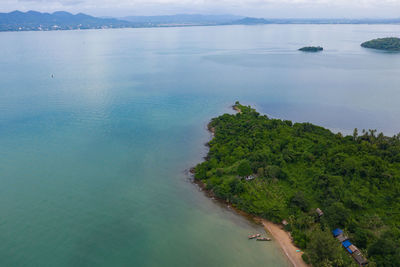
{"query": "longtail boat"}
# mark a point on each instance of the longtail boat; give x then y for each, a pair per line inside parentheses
(263, 239)
(254, 236)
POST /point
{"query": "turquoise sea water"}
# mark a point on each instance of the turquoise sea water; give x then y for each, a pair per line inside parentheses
(92, 161)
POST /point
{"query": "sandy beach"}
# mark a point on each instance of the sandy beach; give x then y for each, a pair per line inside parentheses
(276, 231)
(283, 239)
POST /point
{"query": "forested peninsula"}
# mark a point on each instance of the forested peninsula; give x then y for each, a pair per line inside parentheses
(313, 180)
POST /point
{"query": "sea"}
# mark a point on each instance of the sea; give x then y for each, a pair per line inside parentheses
(98, 129)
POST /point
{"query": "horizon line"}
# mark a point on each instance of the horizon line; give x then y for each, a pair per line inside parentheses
(209, 14)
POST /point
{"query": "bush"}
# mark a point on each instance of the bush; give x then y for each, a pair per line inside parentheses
(244, 169)
(322, 248)
(299, 201)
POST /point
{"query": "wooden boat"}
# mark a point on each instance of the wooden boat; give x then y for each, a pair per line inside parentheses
(263, 239)
(254, 236)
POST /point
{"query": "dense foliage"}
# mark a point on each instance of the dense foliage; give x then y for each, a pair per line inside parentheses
(299, 167)
(388, 44)
(311, 49)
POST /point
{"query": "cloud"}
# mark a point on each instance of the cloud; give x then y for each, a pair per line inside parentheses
(60, 2)
(261, 8)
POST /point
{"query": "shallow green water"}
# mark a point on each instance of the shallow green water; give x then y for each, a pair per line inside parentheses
(92, 161)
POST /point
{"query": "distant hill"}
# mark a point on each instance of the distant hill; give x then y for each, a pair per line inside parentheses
(182, 19)
(388, 44)
(61, 20)
(254, 21)
(36, 21)
(251, 21)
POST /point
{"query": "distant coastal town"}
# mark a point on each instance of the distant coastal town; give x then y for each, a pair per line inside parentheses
(61, 20)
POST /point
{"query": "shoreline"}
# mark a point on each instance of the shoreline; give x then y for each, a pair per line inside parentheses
(285, 243)
(282, 237)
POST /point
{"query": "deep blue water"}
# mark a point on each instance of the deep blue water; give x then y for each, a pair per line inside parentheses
(92, 161)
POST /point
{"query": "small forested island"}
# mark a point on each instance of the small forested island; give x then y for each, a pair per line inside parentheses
(311, 179)
(311, 49)
(387, 44)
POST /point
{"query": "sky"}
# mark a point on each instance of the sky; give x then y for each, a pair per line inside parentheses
(255, 8)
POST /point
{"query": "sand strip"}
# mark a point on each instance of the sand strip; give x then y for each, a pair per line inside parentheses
(285, 242)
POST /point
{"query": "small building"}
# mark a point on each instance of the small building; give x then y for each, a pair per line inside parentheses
(319, 212)
(337, 232)
(250, 177)
(359, 258)
(284, 222)
(353, 248)
(346, 244)
(350, 248)
(342, 238)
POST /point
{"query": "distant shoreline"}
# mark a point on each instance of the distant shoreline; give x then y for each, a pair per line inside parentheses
(200, 25)
(17, 21)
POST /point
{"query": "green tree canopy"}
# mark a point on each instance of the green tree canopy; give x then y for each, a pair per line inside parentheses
(244, 168)
(354, 180)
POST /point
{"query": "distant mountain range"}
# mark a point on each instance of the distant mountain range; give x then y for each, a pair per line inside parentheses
(183, 19)
(252, 21)
(36, 21)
